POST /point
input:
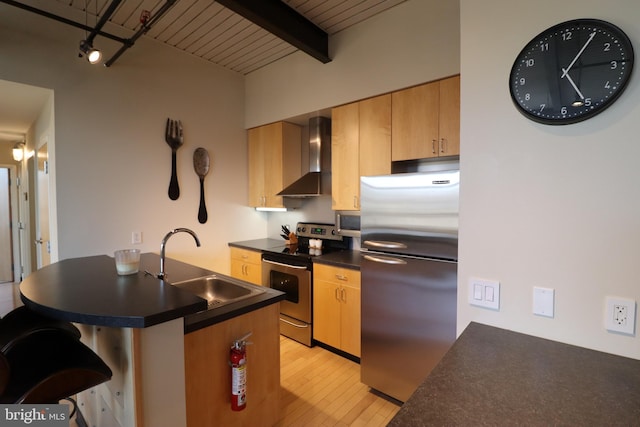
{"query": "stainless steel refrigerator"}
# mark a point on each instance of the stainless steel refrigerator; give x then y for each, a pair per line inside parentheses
(409, 232)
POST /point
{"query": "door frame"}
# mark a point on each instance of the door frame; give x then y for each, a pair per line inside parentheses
(15, 221)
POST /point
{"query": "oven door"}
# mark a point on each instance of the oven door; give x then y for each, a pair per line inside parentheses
(295, 282)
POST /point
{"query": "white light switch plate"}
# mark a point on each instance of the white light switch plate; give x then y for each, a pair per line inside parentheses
(543, 301)
(484, 293)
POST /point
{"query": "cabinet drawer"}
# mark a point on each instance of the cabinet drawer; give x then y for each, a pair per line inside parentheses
(345, 276)
(246, 255)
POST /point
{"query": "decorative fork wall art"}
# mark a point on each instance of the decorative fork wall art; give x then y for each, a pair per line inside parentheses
(173, 136)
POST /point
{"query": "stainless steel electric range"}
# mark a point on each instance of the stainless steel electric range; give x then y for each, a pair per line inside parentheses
(289, 269)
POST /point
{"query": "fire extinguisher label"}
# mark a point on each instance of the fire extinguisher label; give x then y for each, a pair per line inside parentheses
(239, 380)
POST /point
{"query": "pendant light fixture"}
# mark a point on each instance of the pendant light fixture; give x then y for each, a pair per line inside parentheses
(18, 152)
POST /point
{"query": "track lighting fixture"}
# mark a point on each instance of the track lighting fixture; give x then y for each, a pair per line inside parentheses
(88, 51)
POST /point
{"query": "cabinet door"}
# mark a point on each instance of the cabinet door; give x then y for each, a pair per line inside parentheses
(274, 162)
(326, 313)
(256, 166)
(246, 265)
(450, 116)
(375, 136)
(350, 319)
(253, 273)
(345, 169)
(415, 122)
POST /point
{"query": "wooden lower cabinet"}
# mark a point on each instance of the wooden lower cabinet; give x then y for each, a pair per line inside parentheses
(336, 307)
(246, 265)
(208, 375)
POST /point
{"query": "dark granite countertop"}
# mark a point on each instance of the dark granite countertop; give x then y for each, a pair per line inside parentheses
(88, 290)
(345, 259)
(494, 377)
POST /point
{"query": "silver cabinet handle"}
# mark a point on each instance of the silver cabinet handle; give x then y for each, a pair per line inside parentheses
(433, 146)
(39, 241)
(343, 295)
(386, 245)
(385, 259)
(443, 145)
(337, 296)
(341, 277)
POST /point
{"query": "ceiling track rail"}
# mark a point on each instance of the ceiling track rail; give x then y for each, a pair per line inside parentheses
(97, 30)
(103, 20)
(62, 19)
(146, 26)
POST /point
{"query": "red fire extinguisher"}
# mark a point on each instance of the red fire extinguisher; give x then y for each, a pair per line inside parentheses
(238, 362)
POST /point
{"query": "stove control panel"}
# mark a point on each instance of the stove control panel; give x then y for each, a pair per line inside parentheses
(317, 231)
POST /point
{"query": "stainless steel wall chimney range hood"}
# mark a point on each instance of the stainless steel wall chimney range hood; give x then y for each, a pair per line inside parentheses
(318, 180)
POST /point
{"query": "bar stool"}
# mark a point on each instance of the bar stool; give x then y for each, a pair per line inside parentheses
(45, 362)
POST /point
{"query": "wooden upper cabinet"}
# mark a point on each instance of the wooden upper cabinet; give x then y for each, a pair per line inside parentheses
(360, 146)
(345, 175)
(274, 162)
(450, 116)
(375, 136)
(426, 120)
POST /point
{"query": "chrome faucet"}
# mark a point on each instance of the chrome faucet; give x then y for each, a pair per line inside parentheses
(163, 275)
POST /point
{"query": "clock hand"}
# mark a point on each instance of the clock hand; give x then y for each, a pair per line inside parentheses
(564, 72)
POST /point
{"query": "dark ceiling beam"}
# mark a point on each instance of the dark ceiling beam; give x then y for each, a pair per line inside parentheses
(283, 21)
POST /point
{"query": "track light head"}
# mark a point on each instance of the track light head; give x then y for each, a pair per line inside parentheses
(93, 55)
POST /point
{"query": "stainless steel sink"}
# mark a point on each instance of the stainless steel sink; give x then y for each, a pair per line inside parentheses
(218, 290)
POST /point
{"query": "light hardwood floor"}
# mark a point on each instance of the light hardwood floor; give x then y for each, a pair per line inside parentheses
(319, 388)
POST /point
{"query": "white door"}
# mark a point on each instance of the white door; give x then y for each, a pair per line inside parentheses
(43, 243)
(6, 243)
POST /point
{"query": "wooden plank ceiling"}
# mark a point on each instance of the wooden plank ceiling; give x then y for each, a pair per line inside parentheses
(208, 30)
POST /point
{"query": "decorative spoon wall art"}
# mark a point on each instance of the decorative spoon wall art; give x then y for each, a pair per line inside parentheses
(201, 163)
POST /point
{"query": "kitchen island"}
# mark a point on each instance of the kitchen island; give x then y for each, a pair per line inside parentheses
(158, 341)
(492, 376)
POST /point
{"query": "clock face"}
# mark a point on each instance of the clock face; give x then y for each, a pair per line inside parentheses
(571, 71)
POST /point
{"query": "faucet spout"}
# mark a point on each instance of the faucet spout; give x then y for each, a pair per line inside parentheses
(163, 275)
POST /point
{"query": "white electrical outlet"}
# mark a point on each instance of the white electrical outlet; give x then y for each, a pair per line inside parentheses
(484, 293)
(136, 237)
(620, 315)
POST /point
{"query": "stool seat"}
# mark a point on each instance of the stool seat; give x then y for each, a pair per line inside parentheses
(22, 322)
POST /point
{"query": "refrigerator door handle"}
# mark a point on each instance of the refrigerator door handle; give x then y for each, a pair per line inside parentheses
(385, 259)
(385, 245)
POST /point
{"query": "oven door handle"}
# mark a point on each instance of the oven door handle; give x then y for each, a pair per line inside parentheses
(303, 326)
(297, 267)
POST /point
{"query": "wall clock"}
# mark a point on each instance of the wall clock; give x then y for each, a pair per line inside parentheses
(571, 71)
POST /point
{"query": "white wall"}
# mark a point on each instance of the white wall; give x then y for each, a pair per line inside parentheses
(550, 206)
(111, 161)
